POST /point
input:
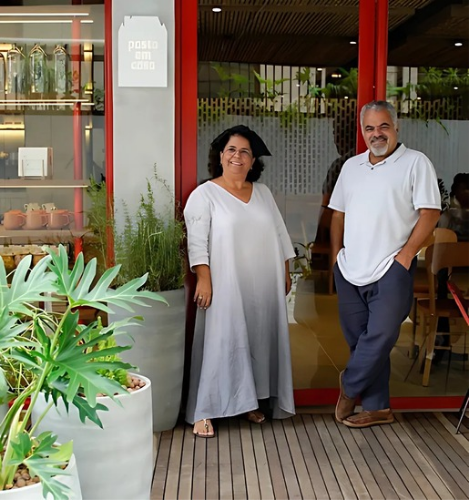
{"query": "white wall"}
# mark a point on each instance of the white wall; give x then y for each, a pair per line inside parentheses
(143, 117)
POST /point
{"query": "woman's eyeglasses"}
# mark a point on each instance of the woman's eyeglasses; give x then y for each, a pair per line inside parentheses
(244, 153)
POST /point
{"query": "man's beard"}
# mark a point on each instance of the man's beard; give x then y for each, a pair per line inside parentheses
(379, 151)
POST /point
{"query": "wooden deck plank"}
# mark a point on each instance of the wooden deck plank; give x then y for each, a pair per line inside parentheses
(460, 438)
(359, 458)
(224, 461)
(450, 438)
(161, 467)
(398, 464)
(454, 419)
(237, 466)
(293, 488)
(313, 457)
(199, 471)
(187, 465)
(249, 460)
(174, 467)
(265, 480)
(392, 432)
(348, 460)
(211, 464)
(439, 462)
(400, 490)
(309, 457)
(298, 460)
(276, 473)
(446, 447)
(421, 459)
(334, 458)
(385, 486)
(324, 465)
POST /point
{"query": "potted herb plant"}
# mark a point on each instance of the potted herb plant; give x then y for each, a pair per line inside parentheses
(151, 240)
(65, 367)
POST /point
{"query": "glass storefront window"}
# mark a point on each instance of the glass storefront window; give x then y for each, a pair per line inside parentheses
(51, 118)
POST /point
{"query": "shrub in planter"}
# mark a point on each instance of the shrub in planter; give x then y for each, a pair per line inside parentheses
(57, 352)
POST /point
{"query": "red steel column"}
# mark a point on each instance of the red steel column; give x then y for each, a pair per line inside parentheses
(109, 126)
(186, 139)
(381, 57)
(186, 98)
(77, 133)
(372, 56)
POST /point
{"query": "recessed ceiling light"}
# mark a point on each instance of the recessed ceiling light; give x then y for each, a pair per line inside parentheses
(336, 75)
(458, 44)
(216, 9)
(353, 42)
(346, 97)
(455, 88)
(320, 69)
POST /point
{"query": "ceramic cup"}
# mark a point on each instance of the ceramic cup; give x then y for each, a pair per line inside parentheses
(32, 206)
(35, 219)
(14, 219)
(48, 207)
(59, 219)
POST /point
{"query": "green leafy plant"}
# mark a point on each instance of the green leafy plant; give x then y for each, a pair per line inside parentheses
(64, 359)
(152, 242)
(303, 259)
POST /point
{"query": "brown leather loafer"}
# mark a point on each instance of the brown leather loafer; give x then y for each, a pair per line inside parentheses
(345, 405)
(369, 418)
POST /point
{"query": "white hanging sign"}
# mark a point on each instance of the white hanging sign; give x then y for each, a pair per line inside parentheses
(142, 52)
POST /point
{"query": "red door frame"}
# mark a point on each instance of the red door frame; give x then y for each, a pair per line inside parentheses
(372, 67)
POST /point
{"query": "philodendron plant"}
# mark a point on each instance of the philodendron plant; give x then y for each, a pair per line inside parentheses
(61, 355)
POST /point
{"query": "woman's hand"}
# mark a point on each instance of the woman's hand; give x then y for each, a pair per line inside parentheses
(203, 290)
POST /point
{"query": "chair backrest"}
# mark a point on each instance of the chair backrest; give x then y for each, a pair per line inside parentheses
(444, 256)
(444, 235)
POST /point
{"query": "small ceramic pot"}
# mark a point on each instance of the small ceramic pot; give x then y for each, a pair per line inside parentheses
(59, 219)
(14, 219)
(35, 219)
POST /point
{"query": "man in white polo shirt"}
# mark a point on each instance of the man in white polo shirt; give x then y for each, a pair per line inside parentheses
(386, 203)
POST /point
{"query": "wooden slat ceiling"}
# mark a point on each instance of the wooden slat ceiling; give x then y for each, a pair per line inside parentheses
(319, 32)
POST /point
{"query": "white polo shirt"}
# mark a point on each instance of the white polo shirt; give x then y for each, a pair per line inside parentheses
(381, 204)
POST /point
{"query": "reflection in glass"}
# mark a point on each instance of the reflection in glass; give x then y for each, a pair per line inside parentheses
(38, 69)
(60, 70)
(15, 71)
(2, 72)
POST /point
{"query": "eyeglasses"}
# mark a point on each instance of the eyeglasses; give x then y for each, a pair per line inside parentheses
(244, 153)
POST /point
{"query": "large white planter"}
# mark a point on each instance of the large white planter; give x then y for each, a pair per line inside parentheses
(114, 463)
(35, 492)
(158, 352)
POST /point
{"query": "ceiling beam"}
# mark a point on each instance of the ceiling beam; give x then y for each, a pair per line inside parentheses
(298, 9)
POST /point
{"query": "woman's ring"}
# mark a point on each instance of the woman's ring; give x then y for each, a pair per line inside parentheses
(200, 297)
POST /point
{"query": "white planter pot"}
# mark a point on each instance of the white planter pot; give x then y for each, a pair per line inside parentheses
(158, 352)
(114, 462)
(35, 492)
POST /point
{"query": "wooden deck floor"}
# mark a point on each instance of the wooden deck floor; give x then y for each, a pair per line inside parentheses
(313, 457)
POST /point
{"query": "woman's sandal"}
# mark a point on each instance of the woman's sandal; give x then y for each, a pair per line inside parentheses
(255, 416)
(207, 426)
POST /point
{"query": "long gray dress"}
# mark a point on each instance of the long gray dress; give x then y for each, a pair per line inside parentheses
(241, 349)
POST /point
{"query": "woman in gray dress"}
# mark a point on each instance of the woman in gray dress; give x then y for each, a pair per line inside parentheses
(239, 249)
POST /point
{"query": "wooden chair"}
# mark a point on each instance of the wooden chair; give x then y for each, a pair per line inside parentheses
(437, 257)
(421, 286)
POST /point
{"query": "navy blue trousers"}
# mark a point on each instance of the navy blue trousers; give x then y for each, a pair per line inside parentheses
(371, 317)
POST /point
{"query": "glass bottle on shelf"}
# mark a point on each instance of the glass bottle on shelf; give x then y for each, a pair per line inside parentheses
(2, 73)
(38, 69)
(60, 69)
(15, 77)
